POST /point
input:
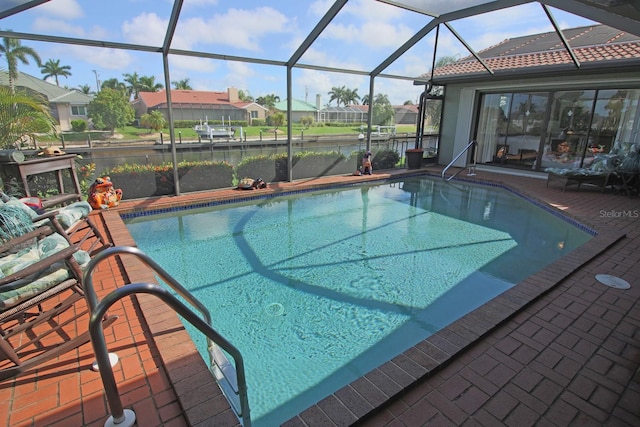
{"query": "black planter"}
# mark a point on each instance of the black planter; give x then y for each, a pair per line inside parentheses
(414, 158)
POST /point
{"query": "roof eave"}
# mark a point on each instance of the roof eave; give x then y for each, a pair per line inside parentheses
(563, 70)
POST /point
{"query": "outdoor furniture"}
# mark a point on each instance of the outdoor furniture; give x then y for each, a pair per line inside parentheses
(72, 221)
(39, 282)
(56, 164)
(612, 169)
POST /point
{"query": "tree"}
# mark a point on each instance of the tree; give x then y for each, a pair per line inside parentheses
(277, 120)
(22, 117)
(182, 84)
(244, 97)
(114, 84)
(13, 50)
(350, 97)
(110, 109)
(306, 121)
(134, 84)
(52, 68)
(382, 110)
(365, 100)
(154, 121)
(148, 84)
(337, 94)
(268, 101)
(86, 89)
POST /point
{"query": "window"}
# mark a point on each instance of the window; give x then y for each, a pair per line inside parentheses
(563, 129)
(78, 110)
(254, 114)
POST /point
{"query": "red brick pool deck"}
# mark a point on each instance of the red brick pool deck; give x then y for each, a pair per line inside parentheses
(570, 356)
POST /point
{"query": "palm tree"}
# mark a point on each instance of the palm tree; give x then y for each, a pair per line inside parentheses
(13, 51)
(337, 94)
(268, 101)
(22, 117)
(114, 84)
(134, 84)
(154, 120)
(86, 89)
(244, 97)
(148, 84)
(350, 97)
(182, 84)
(53, 68)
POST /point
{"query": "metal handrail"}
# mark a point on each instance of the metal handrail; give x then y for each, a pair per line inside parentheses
(444, 171)
(214, 339)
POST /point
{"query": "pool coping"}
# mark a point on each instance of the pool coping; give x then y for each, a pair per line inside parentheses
(201, 398)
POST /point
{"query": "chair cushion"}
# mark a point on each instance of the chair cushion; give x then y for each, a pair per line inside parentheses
(35, 285)
(73, 213)
(67, 216)
(40, 281)
(30, 255)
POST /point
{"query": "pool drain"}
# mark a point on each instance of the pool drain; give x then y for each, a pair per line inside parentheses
(275, 309)
(612, 281)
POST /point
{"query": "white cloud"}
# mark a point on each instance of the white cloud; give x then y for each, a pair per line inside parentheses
(320, 7)
(60, 27)
(146, 29)
(57, 26)
(65, 9)
(101, 58)
(237, 28)
(366, 11)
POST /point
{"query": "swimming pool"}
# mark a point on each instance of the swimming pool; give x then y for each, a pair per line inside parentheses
(380, 268)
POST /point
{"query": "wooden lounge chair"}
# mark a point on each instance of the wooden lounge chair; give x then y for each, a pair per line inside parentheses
(72, 221)
(42, 280)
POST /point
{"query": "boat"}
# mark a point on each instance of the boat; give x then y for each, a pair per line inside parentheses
(207, 131)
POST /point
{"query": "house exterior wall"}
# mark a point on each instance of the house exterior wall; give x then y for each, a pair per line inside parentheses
(140, 108)
(205, 112)
(297, 115)
(261, 112)
(64, 116)
(462, 102)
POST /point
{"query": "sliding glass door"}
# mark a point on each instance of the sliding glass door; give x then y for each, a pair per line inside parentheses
(565, 129)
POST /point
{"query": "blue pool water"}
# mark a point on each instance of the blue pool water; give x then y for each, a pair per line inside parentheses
(318, 288)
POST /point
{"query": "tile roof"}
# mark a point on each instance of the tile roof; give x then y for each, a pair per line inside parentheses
(201, 97)
(590, 45)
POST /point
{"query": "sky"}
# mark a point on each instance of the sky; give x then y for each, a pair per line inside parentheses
(361, 37)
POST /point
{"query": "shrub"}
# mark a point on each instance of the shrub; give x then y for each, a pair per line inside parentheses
(78, 125)
(385, 159)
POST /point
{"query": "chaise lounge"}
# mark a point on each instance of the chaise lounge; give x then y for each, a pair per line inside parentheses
(40, 279)
(610, 169)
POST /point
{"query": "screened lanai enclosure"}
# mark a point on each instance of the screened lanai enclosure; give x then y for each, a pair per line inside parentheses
(366, 63)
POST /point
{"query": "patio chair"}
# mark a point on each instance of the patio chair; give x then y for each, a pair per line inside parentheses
(40, 288)
(605, 170)
(72, 221)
